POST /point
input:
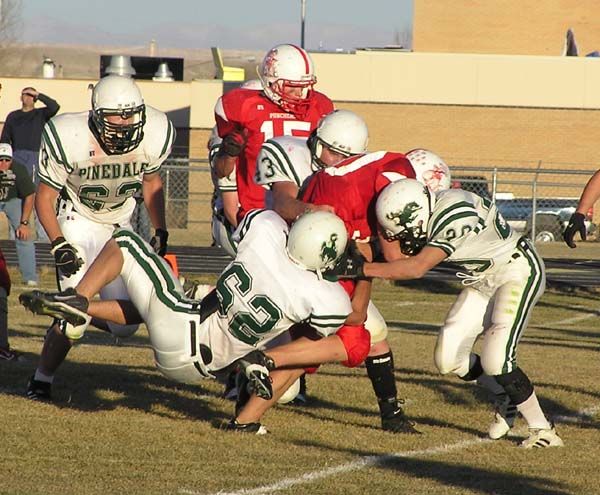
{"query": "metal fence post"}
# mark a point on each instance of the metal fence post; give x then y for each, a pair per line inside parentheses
(494, 182)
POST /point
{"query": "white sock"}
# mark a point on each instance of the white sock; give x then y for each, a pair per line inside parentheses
(533, 414)
(41, 377)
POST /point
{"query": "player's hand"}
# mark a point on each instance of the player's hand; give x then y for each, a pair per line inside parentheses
(234, 143)
(576, 224)
(65, 256)
(350, 265)
(159, 241)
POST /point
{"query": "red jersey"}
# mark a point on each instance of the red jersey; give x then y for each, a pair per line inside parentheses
(352, 186)
(262, 119)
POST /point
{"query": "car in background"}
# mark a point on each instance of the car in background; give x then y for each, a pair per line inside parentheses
(551, 219)
(477, 184)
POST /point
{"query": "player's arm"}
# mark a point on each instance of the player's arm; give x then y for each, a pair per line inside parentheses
(154, 199)
(234, 138)
(360, 302)
(224, 164)
(409, 268)
(390, 249)
(288, 206)
(45, 201)
(590, 194)
(230, 206)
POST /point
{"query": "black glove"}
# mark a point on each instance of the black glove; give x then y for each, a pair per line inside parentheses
(350, 265)
(576, 224)
(65, 256)
(234, 143)
(159, 241)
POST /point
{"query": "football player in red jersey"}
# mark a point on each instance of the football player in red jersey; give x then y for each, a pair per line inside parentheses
(287, 105)
(351, 185)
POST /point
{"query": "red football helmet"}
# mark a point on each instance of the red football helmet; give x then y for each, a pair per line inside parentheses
(287, 76)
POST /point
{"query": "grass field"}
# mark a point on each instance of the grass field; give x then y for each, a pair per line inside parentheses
(118, 426)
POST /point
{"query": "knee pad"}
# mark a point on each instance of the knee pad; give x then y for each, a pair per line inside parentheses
(516, 385)
(475, 369)
(357, 342)
(122, 331)
(375, 324)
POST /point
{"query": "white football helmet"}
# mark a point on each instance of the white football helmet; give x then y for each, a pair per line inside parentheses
(341, 131)
(403, 209)
(430, 169)
(285, 67)
(316, 240)
(118, 96)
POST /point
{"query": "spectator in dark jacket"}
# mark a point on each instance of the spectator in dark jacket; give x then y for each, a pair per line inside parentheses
(23, 131)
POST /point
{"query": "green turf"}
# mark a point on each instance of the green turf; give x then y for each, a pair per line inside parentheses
(118, 426)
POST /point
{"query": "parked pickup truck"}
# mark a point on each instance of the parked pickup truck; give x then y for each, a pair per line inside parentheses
(551, 219)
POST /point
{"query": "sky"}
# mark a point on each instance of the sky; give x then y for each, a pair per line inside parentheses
(242, 24)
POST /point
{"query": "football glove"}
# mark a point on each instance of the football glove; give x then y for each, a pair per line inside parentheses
(65, 257)
(576, 224)
(350, 265)
(159, 241)
(234, 143)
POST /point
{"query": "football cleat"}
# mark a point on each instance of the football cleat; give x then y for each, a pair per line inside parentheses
(256, 366)
(504, 417)
(542, 438)
(254, 428)
(37, 390)
(66, 305)
(397, 422)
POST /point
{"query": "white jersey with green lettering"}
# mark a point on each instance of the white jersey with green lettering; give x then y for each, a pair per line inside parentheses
(101, 186)
(263, 292)
(471, 231)
(283, 159)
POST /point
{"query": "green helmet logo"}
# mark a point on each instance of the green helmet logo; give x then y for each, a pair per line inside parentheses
(406, 216)
(329, 251)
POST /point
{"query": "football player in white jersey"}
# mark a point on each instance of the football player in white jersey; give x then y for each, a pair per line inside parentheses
(274, 282)
(284, 165)
(225, 201)
(92, 163)
(503, 276)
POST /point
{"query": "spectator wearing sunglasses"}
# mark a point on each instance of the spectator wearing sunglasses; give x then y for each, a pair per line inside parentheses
(23, 131)
(17, 194)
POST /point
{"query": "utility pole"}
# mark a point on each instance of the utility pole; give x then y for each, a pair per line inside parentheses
(302, 16)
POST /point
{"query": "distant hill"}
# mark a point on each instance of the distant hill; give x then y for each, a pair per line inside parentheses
(83, 61)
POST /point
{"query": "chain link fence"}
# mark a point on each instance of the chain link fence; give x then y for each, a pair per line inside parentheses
(549, 190)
